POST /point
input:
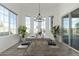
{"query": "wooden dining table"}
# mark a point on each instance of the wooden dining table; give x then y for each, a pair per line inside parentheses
(38, 47)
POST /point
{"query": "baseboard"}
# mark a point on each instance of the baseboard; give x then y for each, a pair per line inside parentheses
(70, 47)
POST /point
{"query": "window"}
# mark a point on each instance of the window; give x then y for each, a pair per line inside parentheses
(12, 23)
(66, 29)
(38, 25)
(6, 24)
(35, 27)
(27, 23)
(43, 25)
(4, 20)
(66, 25)
(50, 18)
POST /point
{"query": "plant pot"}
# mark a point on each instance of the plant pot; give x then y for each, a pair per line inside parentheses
(57, 39)
(23, 40)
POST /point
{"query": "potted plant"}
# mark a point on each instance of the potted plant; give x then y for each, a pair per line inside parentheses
(55, 30)
(40, 33)
(22, 31)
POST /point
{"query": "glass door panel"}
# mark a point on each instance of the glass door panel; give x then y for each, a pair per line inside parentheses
(66, 29)
(75, 33)
(75, 29)
(71, 29)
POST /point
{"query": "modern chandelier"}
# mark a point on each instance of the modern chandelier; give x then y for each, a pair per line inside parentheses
(39, 17)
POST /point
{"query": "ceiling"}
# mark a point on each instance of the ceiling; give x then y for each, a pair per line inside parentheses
(32, 8)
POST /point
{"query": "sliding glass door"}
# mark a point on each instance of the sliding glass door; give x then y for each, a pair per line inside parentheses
(66, 29)
(75, 29)
(71, 29)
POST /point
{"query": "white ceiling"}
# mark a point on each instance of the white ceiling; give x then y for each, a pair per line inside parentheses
(32, 8)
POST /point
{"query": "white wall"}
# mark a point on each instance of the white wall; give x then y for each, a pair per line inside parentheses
(8, 41)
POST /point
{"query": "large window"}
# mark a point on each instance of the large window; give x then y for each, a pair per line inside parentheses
(66, 29)
(27, 23)
(12, 23)
(47, 22)
(35, 27)
(4, 20)
(43, 25)
(7, 21)
(50, 18)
